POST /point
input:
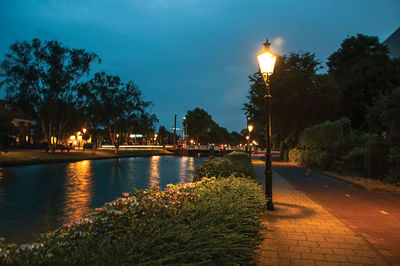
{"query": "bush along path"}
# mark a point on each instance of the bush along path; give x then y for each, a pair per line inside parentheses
(213, 221)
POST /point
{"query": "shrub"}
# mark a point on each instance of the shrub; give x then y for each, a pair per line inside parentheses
(238, 156)
(317, 159)
(353, 162)
(335, 137)
(208, 222)
(375, 157)
(234, 164)
(213, 168)
(296, 156)
(393, 160)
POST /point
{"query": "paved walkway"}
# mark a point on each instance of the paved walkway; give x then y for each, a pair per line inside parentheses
(301, 232)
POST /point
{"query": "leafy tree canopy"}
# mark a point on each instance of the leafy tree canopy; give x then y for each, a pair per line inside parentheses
(364, 71)
(201, 127)
(297, 92)
(44, 79)
(117, 106)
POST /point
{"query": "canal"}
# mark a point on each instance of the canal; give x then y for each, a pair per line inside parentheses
(39, 198)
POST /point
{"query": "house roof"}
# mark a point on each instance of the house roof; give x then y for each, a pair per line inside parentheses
(13, 112)
(393, 43)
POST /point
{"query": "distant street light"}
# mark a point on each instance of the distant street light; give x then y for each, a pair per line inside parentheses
(248, 143)
(249, 128)
(84, 132)
(267, 61)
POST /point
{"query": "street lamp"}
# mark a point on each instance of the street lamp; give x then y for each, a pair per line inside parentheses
(248, 143)
(266, 62)
(249, 128)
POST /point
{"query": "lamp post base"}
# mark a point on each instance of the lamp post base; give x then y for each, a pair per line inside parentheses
(270, 205)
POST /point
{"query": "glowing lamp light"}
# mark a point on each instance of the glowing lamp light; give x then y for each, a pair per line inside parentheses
(250, 128)
(72, 137)
(266, 60)
(79, 137)
(84, 131)
(247, 137)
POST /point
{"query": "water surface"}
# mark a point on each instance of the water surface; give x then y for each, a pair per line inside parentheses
(39, 198)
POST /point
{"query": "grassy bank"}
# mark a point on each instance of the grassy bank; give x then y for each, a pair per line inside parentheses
(210, 222)
(32, 157)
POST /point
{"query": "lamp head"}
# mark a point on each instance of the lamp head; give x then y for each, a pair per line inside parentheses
(266, 60)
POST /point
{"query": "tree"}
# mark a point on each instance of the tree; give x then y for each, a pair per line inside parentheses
(44, 78)
(383, 117)
(199, 125)
(117, 106)
(364, 71)
(164, 135)
(300, 98)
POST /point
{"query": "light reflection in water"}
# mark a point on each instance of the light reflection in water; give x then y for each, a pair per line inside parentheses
(79, 190)
(190, 168)
(182, 172)
(154, 179)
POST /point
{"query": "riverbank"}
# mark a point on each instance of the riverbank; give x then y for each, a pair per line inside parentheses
(17, 158)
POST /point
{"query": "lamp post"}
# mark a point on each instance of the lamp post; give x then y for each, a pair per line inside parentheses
(249, 128)
(266, 62)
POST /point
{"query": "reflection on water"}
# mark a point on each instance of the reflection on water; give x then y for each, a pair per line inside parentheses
(191, 164)
(78, 189)
(39, 198)
(154, 171)
(182, 171)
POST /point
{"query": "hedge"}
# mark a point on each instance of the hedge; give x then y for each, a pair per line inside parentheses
(213, 222)
(311, 159)
(394, 165)
(375, 160)
(236, 164)
(335, 137)
(353, 163)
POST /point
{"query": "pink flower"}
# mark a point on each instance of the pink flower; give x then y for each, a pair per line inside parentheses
(67, 225)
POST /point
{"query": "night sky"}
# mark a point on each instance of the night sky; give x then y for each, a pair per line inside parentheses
(185, 54)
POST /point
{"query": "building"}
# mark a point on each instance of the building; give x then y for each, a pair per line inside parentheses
(393, 43)
(22, 122)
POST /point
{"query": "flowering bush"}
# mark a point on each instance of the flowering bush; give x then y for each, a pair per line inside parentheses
(213, 221)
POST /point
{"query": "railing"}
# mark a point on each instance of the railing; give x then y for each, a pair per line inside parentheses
(159, 147)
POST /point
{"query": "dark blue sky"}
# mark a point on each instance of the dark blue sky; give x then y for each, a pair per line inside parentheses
(194, 53)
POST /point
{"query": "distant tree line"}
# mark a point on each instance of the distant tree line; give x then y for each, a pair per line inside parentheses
(362, 83)
(203, 129)
(52, 83)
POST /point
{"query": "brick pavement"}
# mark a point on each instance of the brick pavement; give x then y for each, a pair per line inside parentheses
(301, 232)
